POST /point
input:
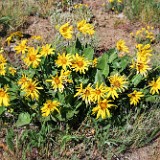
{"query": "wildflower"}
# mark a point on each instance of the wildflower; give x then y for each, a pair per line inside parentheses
(38, 38)
(135, 97)
(85, 94)
(118, 82)
(4, 97)
(111, 1)
(94, 62)
(64, 60)
(14, 35)
(23, 80)
(31, 90)
(80, 64)
(2, 70)
(32, 58)
(47, 50)
(12, 71)
(57, 83)
(21, 47)
(65, 76)
(66, 31)
(49, 106)
(3, 60)
(121, 47)
(85, 28)
(142, 67)
(111, 91)
(155, 86)
(99, 92)
(144, 52)
(102, 109)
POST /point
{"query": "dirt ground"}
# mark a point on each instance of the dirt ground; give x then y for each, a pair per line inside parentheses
(109, 29)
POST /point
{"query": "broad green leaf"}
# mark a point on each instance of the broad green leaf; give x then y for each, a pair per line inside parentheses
(88, 53)
(2, 109)
(71, 50)
(105, 71)
(124, 62)
(99, 77)
(102, 61)
(23, 119)
(113, 56)
(137, 79)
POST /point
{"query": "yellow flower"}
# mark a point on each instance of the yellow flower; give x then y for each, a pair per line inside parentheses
(2, 70)
(12, 71)
(121, 47)
(85, 94)
(4, 97)
(57, 83)
(85, 28)
(118, 82)
(64, 60)
(94, 62)
(38, 38)
(49, 106)
(111, 92)
(3, 60)
(111, 1)
(119, 1)
(99, 92)
(32, 58)
(21, 47)
(142, 67)
(155, 86)
(144, 52)
(102, 109)
(31, 90)
(66, 31)
(65, 76)
(79, 64)
(135, 96)
(47, 50)
(23, 80)
(12, 36)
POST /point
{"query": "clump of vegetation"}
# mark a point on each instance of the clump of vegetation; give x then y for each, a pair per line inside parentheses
(61, 92)
(143, 10)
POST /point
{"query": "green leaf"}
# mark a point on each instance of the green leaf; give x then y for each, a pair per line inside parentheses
(124, 62)
(71, 113)
(137, 79)
(71, 50)
(23, 119)
(105, 71)
(113, 55)
(102, 61)
(151, 98)
(88, 53)
(99, 77)
(2, 109)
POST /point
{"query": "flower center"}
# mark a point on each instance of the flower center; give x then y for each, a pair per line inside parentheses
(80, 63)
(98, 92)
(117, 84)
(32, 57)
(103, 105)
(31, 88)
(57, 81)
(2, 93)
(64, 61)
(87, 92)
